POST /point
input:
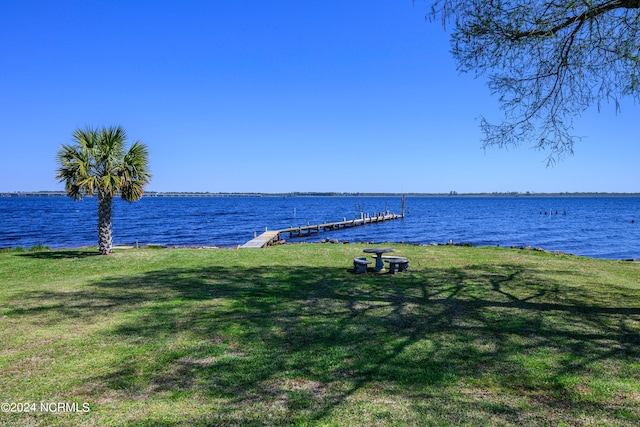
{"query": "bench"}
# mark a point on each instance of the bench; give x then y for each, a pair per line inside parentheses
(397, 264)
(360, 265)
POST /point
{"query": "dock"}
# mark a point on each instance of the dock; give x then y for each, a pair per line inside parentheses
(268, 238)
(265, 239)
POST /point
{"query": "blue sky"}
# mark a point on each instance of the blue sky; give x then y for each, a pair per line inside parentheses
(254, 96)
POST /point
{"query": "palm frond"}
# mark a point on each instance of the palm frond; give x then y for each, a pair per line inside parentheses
(74, 163)
(112, 142)
(135, 171)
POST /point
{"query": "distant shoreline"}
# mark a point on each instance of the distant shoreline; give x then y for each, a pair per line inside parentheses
(336, 194)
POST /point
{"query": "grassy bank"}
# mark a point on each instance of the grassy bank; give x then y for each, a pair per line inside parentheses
(288, 336)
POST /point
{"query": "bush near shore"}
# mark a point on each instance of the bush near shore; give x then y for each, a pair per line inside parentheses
(287, 335)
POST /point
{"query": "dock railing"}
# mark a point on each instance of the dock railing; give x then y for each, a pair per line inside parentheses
(268, 238)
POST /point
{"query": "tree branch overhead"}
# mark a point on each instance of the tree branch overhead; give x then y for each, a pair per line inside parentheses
(547, 61)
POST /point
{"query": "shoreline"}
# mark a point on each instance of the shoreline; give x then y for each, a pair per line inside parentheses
(44, 248)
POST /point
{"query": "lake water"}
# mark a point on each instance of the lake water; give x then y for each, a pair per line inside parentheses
(602, 227)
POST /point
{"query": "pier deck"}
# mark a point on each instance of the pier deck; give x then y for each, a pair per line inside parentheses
(265, 239)
(269, 237)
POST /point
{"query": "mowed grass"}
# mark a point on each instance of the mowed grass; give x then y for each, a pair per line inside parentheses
(289, 336)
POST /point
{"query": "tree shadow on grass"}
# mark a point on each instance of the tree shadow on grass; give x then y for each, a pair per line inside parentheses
(285, 344)
(62, 254)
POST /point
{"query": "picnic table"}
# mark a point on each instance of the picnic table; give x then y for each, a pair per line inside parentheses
(378, 253)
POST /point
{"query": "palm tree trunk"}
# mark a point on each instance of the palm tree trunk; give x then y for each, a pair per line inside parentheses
(105, 242)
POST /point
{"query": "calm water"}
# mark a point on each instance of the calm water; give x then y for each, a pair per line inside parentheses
(603, 227)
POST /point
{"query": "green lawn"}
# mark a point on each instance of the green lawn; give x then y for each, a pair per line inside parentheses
(289, 336)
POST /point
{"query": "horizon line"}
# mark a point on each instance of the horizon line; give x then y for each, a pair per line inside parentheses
(336, 193)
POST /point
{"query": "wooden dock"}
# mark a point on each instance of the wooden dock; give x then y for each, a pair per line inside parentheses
(265, 239)
(270, 237)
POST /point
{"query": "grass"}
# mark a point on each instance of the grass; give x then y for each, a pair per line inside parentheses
(288, 336)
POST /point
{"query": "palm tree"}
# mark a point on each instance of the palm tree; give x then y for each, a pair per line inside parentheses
(99, 164)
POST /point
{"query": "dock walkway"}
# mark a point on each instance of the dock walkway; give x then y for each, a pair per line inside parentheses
(270, 237)
(265, 239)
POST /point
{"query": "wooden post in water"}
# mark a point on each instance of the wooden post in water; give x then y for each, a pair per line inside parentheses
(403, 205)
